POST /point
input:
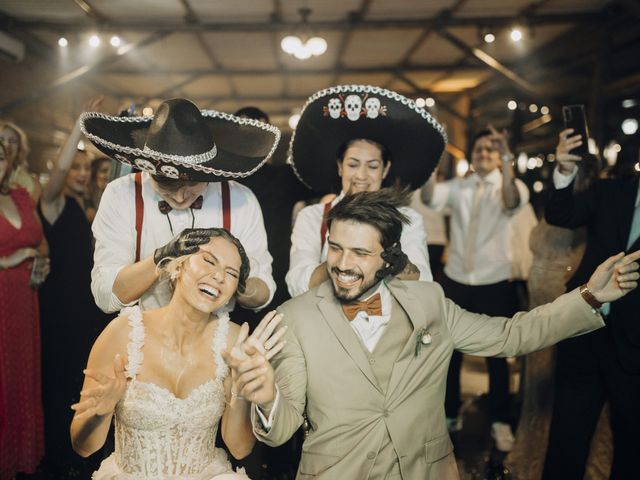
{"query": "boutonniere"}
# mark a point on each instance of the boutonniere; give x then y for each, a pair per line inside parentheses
(423, 337)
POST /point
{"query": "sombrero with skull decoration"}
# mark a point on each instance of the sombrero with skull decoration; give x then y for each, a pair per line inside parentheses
(338, 114)
(182, 142)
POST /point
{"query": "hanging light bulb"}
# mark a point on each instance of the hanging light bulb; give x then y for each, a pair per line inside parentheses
(115, 41)
(317, 45)
(63, 42)
(290, 44)
(303, 53)
(516, 35)
(94, 40)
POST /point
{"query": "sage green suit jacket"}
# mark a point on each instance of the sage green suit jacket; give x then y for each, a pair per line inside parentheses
(325, 370)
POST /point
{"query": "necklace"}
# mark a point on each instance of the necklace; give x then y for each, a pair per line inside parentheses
(193, 220)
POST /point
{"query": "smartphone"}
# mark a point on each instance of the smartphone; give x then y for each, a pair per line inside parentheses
(38, 272)
(575, 118)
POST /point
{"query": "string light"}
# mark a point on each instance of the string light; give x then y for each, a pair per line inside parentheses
(512, 105)
(516, 35)
(63, 42)
(489, 38)
(94, 40)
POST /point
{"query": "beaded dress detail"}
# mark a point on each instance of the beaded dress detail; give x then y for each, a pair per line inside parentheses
(160, 436)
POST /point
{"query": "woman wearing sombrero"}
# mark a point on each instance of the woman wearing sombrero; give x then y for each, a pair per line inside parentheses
(188, 158)
(358, 137)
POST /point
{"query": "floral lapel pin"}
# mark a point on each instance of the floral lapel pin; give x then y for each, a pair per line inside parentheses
(423, 337)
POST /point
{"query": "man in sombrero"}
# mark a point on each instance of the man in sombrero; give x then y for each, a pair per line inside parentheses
(358, 137)
(188, 159)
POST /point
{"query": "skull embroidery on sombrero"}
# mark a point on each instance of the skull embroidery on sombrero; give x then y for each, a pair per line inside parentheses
(338, 114)
(183, 142)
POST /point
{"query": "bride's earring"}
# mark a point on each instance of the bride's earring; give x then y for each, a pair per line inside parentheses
(174, 274)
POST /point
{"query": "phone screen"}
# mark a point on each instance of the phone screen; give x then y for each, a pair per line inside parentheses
(575, 118)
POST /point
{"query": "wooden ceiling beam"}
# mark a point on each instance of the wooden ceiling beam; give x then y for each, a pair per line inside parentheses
(340, 25)
(278, 71)
(353, 17)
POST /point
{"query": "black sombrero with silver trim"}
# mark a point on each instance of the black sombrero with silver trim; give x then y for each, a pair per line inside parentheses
(338, 114)
(182, 142)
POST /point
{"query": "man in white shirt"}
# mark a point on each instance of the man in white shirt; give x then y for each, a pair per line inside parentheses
(479, 264)
(366, 355)
(184, 186)
(365, 136)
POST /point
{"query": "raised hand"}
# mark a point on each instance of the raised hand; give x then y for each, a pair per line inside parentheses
(185, 243)
(566, 160)
(499, 141)
(615, 277)
(102, 398)
(252, 376)
(265, 338)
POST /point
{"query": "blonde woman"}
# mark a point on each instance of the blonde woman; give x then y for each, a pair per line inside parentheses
(162, 374)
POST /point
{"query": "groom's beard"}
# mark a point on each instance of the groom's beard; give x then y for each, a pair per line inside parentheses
(344, 295)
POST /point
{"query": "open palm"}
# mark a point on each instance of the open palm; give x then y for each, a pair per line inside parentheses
(101, 399)
(615, 277)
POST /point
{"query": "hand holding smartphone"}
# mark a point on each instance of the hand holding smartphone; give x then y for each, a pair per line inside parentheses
(574, 118)
(39, 271)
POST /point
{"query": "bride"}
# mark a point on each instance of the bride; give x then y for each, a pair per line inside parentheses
(162, 374)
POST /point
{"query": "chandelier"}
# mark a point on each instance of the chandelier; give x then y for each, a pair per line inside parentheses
(304, 45)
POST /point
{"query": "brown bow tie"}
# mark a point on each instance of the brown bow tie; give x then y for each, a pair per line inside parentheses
(165, 208)
(373, 307)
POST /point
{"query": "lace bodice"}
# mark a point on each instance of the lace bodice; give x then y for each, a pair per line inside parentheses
(159, 435)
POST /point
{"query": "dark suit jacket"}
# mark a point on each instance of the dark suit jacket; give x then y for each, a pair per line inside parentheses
(606, 209)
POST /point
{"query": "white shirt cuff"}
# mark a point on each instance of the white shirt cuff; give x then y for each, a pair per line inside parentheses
(560, 180)
(267, 423)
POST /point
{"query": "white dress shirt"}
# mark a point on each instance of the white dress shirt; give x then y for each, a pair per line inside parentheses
(307, 253)
(371, 327)
(115, 234)
(493, 256)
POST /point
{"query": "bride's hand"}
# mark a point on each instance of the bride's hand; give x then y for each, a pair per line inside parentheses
(253, 378)
(102, 398)
(265, 338)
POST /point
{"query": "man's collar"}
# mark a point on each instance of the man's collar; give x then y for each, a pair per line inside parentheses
(494, 177)
(377, 288)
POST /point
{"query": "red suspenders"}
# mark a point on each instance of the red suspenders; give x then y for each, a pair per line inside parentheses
(226, 206)
(139, 213)
(226, 209)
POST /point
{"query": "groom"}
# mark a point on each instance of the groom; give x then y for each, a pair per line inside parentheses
(367, 355)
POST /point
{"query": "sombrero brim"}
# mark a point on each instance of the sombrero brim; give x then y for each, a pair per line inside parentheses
(416, 140)
(242, 146)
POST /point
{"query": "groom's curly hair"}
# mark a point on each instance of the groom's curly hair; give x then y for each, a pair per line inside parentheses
(379, 209)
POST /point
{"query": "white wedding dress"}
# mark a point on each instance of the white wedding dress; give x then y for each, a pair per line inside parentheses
(160, 436)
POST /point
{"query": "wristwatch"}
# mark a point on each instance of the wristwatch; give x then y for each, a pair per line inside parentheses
(589, 298)
(507, 157)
